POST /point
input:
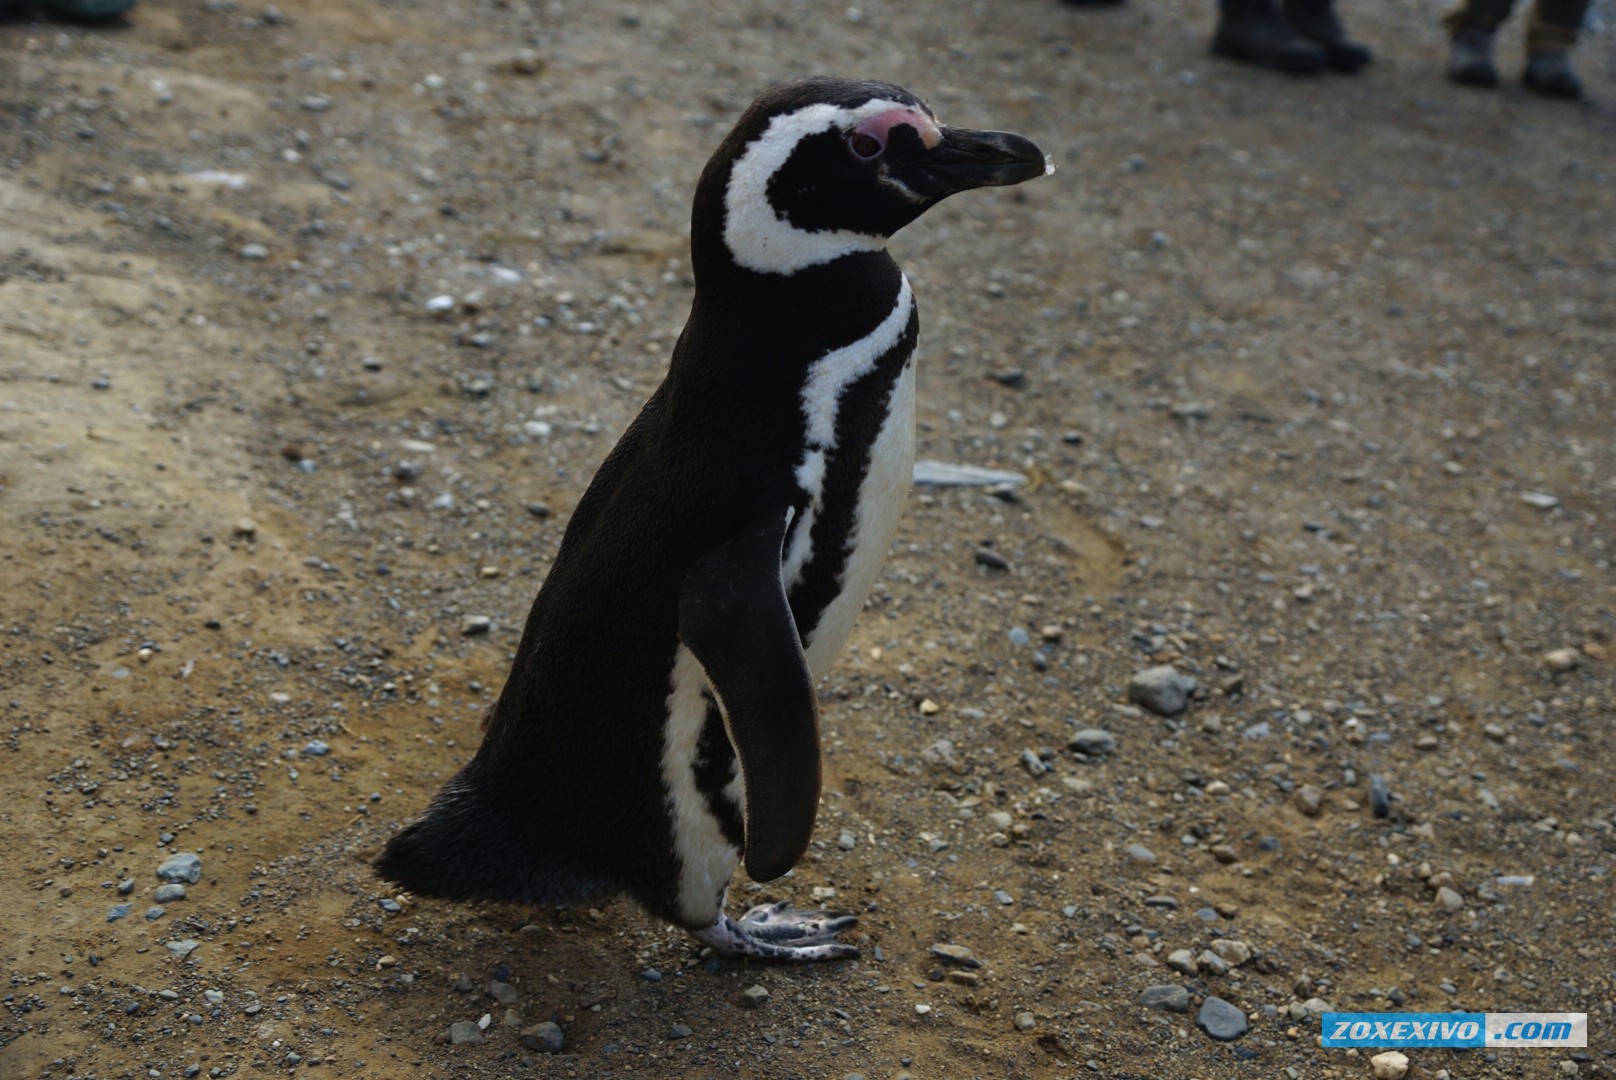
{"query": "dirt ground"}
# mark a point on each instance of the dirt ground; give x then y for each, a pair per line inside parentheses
(1313, 381)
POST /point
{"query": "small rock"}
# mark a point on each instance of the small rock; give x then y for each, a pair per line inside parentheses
(126, 886)
(1449, 900)
(1139, 853)
(545, 1038)
(679, 1031)
(1163, 902)
(183, 947)
(527, 62)
(167, 894)
(1164, 690)
(316, 748)
(182, 867)
(472, 625)
(1171, 998)
(1235, 952)
(465, 1033)
(957, 955)
(991, 559)
(1225, 854)
(1380, 799)
(502, 992)
(651, 975)
(1183, 962)
(754, 997)
(1025, 1021)
(118, 911)
(1221, 1020)
(246, 528)
(440, 305)
(254, 251)
(846, 840)
(1210, 963)
(1095, 742)
(1562, 659)
(1540, 500)
(1309, 800)
(1391, 1065)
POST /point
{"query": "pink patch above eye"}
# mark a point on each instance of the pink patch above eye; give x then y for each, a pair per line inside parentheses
(880, 126)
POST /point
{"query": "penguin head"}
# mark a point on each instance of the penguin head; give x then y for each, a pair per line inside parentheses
(823, 168)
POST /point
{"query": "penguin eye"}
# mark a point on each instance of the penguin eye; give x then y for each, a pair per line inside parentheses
(865, 147)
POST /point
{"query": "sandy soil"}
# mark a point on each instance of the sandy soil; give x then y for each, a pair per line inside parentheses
(1316, 391)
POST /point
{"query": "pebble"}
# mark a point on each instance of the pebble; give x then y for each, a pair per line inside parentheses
(126, 886)
(254, 251)
(1235, 952)
(547, 1038)
(1025, 1021)
(957, 955)
(991, 559)
(1164, 690)
(1183, 962)
(1392, 1065)
(183, 947)
(1225, 854)
(167, 894)
(1139, 853)
(1380, 799)
(1003, 897)
(440, 305)
(246, 528)
(1166, 903)
(1095, 742)
(651, 975)
(1210, 963)
(502, 992)
(1172, 998)
(183, 867)
(1562, 659)
(1221, 1020)
(679, 1031)
(1449, 900)
(155, 913)
(475, 624)
(465, 1033)
(1309, 800)
(846, 840)
(754, 997)
(118, 911)
(1019, 636)
(1540, 500)
(316, 748)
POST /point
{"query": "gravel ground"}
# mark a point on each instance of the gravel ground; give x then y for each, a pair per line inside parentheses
(316, 318)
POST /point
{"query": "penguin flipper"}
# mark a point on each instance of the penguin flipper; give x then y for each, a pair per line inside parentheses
(735, 619)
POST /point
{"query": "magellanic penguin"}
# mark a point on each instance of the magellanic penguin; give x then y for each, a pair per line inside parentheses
(659, 724)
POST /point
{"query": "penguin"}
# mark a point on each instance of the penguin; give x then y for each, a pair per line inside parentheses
(659, 725)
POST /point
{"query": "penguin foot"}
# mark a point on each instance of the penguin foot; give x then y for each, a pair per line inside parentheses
(781, 932)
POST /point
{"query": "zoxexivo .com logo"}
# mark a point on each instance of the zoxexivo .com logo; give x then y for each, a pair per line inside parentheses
(1455, 1029)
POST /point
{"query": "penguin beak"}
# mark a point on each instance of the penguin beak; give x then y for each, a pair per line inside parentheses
(965, 159)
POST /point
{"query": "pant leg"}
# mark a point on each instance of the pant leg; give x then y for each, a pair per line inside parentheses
(1480, 14)
(1554, 24)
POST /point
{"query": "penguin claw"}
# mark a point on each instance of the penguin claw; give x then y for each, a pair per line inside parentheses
(783, 933)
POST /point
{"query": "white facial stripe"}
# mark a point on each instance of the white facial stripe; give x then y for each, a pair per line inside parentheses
(706, 859)
(828, 378)
(757, 237)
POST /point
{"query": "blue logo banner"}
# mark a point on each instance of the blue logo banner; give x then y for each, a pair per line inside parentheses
(1404, 1029)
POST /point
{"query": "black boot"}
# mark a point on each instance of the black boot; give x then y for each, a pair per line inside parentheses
(1255, 31)
(1315, 20)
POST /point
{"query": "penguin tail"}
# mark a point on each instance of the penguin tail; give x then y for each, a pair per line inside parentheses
(465, 847)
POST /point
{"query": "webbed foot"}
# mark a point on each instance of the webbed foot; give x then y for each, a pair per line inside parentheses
(781, 932)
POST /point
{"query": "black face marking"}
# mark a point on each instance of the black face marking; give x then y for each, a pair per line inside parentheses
(826, 185)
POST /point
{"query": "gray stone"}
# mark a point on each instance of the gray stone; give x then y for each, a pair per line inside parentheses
(183, 947)
(1380, 799)
(1183, 962)
(183, 867)
(1221, 1020)
(167, 894)
(1163, 901)
(1235, 952)
(956, 955)
(754, 997)
(546, 1038)
(117, 911)
(502, 992)
(316, 748)
(1309, 800)
(465, 1033)
(1172, 998)
(1210, 963)
(846, 840)
(1449, 900)
(1164, 690)
(1025, 1021)
(1094, 742)
(679, 1031)
(1139, 853)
